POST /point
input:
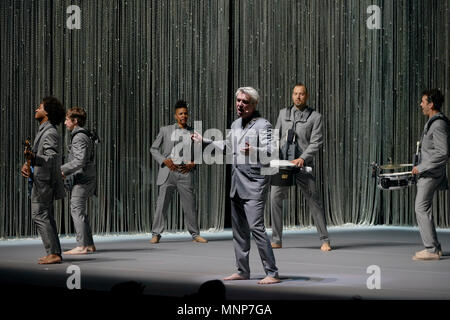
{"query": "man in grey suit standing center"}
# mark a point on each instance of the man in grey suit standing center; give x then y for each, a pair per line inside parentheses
(248, 141)
(175, 172)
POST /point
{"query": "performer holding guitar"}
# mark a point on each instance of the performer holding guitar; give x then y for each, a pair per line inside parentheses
(47, 183)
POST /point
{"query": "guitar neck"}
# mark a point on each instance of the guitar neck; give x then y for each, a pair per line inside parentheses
(27, 151)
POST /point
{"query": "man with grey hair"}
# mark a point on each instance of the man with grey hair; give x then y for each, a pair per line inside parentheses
(248, 140)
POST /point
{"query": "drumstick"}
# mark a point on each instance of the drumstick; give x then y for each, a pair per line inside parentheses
(416, 156)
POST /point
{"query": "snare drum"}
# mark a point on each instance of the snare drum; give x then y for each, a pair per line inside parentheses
(395, 180)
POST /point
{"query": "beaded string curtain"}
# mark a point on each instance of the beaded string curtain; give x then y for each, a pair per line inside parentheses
(133, 59)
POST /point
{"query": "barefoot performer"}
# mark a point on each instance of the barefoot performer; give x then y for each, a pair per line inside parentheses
(80, 175)
(250, 135)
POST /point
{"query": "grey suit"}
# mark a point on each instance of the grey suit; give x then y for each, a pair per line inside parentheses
(173, 141)
(81, 165)
(309, 138)
(47, 185)
(248, 192)
(433, 159)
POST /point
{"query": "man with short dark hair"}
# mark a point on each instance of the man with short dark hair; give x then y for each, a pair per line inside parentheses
(306, 123)
(175, 173)
(48, 185)
(80, 172)
(431, 171)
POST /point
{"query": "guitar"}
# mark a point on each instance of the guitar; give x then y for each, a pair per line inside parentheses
(28, 154)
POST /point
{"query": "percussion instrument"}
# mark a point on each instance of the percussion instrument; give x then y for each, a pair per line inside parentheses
(284, 174)
(395, 180)
(288, 165)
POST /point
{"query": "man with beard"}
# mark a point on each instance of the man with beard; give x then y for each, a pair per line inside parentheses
(306, 123)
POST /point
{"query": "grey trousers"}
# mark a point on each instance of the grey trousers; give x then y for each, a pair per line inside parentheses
(182, 183)
(423, 207)
(307, 185)
(247, 216)
(78, 210)
(43, 216)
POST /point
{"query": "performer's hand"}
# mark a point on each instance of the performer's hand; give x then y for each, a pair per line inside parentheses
(415, 171)
(26, 171)
(63, 176)
(186, 168)
(169, 163)
(247, 149)
(196, 137)
(298, 162)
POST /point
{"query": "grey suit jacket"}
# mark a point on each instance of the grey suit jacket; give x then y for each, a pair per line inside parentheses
(246, 178)
(308, 129)
(164, 147)
(81, 164)
(47, 180)
(433, 154)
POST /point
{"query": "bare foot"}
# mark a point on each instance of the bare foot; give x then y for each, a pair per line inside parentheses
(77, 250)
(51, 259)
(325, 247)
(269, 280)
(91, 248)
(235, 276)
(43, 258)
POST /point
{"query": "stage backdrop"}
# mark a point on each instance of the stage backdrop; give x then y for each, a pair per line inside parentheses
(131, 61)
